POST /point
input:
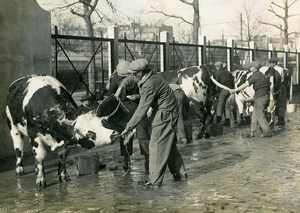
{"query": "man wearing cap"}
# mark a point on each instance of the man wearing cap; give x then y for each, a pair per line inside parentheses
(261, 86)
(284, 97)
(143, 127)
(122, 70)
(224, 77)
(163, 150)
(275, 84)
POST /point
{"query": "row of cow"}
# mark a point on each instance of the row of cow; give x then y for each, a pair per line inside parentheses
(42, 109)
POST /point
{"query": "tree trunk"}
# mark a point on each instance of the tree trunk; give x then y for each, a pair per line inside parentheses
(286, 25)
(91, 69)
(196, 21)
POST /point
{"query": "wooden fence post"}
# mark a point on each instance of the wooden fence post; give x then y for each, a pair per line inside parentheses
(113, 54)
(164, 51)
(285, 56)
(297, 66)
(251, 51)
(202, 50)
(230, 45)
(271, 51)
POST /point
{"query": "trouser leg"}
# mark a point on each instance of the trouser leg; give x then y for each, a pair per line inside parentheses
(180, 124)
(162, 143)
(260, 107)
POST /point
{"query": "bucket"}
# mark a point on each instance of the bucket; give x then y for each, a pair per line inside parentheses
(87, 163)
(290, 108)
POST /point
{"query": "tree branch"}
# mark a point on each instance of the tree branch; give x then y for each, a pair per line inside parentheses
(172, 16)
(273, 11)
(277, 5)
(76, 13)
(100, 17)
(186, 2)
(292, 33)
(270, 24)
(294, 15)
(69, 5)
(292, 3)
(112, 7)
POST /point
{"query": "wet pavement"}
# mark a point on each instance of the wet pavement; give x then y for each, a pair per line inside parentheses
(228, 173)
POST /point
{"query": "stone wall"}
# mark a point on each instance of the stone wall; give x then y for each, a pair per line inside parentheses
(25, 48)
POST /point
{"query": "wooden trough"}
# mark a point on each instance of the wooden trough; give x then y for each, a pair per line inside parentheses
(87, 163)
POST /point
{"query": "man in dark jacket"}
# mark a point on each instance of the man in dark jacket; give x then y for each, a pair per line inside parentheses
(261, 86)
(163, 150)
(130, 99)
(275, 85)
(283, 97)
(224, 77)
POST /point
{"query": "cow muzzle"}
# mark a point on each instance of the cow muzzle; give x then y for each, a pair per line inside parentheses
(114, 136)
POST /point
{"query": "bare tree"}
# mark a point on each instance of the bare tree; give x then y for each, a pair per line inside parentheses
(196, 18)
(87, 9)
(249, 23)
(284, 16)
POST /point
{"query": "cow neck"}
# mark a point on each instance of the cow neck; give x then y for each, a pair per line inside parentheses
(116, 109)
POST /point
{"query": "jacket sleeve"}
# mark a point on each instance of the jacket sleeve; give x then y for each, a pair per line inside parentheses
(147, 96)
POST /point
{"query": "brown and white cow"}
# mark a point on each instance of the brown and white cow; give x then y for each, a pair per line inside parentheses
(41, 108)
(196, 83)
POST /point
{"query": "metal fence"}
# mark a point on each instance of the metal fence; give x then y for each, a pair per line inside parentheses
(80, 61)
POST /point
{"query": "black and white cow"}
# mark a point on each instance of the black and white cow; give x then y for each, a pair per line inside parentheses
(243, 98)
(196, 83)
(41, 108)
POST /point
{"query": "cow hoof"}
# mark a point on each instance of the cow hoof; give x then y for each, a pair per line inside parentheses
(207, 135)
(65, 178)
(41, 185)
(200, 136)
(20, 171)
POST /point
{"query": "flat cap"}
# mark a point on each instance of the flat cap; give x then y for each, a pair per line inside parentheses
(140, 64)
(255, 64)
(273, 59)
(219, 64)
(123, 68)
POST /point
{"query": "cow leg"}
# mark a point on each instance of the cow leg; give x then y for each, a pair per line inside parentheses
(208, 118)
(62, 170)
(18, 140)
(207, 133)
(199, 109)
(39, 154)
(240, 106)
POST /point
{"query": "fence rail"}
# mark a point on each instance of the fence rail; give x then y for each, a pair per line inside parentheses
(85, 64)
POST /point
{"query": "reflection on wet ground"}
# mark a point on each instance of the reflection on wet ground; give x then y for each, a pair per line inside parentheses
(228, 173)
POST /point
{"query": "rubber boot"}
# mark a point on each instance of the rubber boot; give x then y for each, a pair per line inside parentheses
(126, 162)
(281, 122)
(147, 164)
(227, 122)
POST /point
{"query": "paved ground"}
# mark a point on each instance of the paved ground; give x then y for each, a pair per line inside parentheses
(228, 173)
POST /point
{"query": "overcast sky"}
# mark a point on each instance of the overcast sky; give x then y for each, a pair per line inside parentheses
(217, 16)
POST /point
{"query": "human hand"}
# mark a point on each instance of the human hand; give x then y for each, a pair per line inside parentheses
(232, 91)
(125, 132)
(127, 136)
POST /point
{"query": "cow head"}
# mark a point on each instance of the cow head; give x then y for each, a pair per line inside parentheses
(90, 132)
